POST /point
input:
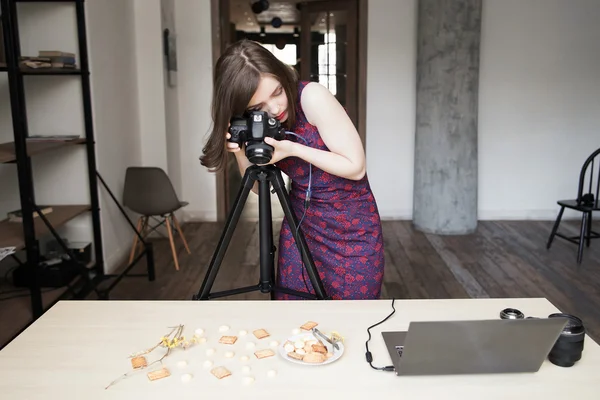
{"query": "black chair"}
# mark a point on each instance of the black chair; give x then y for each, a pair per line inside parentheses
(148, 191)
(586, 202)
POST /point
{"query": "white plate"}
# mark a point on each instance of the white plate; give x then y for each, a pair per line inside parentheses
(309, 336)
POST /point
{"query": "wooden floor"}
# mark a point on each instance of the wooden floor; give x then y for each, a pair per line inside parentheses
(502, 259)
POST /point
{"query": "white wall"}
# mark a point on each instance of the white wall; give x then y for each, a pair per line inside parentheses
(194, 76)
(538, 105)
(171, 96)
(539, 102)
(115, 102)
(150, 82)
(391, 83)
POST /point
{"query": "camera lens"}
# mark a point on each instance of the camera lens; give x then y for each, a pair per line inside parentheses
(259, 153)
(569, 345)
(511, 313)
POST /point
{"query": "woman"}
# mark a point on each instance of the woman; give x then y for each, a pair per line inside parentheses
(325, 160)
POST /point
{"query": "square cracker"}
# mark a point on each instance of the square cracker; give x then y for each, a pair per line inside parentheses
(228, 339)
(220, 372)
(307, 326)
(261, 333)
(158, 374)
(294, 355)
(139, 362)
(264, 353)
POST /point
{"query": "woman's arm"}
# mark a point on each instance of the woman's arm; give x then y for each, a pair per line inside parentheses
(346, 157)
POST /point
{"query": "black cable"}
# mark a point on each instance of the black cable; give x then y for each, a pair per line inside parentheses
(368, 353)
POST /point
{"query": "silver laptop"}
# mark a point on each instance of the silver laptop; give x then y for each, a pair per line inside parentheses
(473, 347)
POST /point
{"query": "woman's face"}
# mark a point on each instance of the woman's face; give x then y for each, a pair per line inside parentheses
(270, 97)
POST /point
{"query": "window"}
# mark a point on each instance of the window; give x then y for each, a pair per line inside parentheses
(327, 62)
(287, 54)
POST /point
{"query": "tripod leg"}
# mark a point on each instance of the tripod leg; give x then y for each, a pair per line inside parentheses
(265, 229)
(230, 225)
(309, 264)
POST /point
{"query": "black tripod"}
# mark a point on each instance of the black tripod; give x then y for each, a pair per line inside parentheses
(265, 175)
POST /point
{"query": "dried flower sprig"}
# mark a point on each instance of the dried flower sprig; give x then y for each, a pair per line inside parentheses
(170, 341)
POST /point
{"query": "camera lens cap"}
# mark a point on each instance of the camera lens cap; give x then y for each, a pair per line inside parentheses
(511, 313)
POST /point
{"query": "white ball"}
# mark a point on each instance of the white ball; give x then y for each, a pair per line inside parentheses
(271, 373)
(289, 347)
(223, 328)
(186, 378)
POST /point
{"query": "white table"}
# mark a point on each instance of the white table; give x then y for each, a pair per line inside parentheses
(77, 348)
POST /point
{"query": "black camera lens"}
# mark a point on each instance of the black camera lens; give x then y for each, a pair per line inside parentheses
(511, 313)
(569, 345)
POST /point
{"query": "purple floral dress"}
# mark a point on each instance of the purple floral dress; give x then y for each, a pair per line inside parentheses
(342, 227)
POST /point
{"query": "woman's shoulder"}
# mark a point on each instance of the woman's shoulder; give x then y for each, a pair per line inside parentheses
(309, 86)
(315, 99)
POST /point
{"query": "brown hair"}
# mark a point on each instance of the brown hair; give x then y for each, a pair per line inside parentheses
(236, 78)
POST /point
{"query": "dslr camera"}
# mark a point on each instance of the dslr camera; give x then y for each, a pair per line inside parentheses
(251, 130)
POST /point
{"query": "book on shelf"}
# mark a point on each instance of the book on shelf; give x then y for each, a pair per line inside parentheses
(55, 53)
(17, 215)
(49, 59)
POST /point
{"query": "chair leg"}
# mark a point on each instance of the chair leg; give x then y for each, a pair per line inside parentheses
(172, 244)
(589, 229)
(555, 228)
(135, 240)
(582, 237)
(178, 227)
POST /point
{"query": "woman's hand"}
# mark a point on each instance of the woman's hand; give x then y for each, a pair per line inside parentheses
(282, 148)
(232, 147)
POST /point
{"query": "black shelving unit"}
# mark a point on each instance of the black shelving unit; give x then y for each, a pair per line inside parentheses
(25, 236)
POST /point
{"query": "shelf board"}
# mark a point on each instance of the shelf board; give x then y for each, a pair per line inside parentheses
(7, 150)
(45, 1)
(44, 71)
(50, 71)
(11, 233)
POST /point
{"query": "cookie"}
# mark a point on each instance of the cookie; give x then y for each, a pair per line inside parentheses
(294, 355)
(319, 348)
(314, 358)
(158, 374)
(261, 333)
(264, 353)
(139, 362)
(307, 326)
(228, 339)
(220, 372)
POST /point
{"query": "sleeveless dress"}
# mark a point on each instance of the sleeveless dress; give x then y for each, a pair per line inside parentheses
(342, 227)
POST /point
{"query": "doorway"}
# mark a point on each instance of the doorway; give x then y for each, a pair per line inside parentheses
(325, 40)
